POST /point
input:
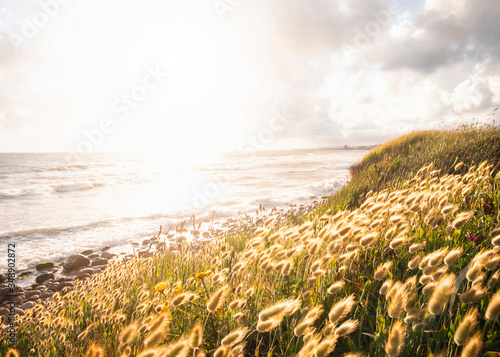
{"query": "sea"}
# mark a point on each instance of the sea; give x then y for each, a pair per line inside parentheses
(53, 205)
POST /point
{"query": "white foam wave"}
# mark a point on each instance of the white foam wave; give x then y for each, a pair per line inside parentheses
(77, 186)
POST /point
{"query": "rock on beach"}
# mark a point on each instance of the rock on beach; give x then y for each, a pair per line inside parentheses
(76, 261)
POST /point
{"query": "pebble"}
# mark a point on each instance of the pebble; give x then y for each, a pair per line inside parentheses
(27, 305)
(44, 277)
(76, 261)
(44, 266)
(99, 261)
(107, 255)
(81, 267)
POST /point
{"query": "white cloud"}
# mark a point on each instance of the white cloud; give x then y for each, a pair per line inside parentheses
(351, 72)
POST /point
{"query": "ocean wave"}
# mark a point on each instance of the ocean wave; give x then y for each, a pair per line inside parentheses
(62, 168)
(21, 192)
(39, 190)
(325, 186)
(77, 186)
(53, 231)
(319, 168)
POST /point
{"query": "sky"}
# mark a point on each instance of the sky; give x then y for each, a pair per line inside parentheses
(207, 76)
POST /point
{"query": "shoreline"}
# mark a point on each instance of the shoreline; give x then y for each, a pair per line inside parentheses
(60, 277)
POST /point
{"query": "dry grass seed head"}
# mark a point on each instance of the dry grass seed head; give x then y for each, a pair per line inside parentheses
(414, 263)
(474, 272)
(217, 299)
(347, 328)
(466, 327)
(473, 347)
(12, 353)
(492, 282)
(441, 294)
(269, 324)
(234, 337)
(395, 342)
(128, 333)
(326, 346)
(335, 287)
(341, 309)
(453, 256)
(475, 293)
(493, 309)
(384, 289)
(153, 352)
(154, 338)
(382, 270)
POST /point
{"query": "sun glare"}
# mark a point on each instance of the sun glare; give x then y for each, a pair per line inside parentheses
(192, 113)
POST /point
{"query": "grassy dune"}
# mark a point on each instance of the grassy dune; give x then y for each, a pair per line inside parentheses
(404, 261)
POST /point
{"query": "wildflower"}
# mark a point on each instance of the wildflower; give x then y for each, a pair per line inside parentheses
(161, 286)
(475, 238)
(178, 289)
(199, 276)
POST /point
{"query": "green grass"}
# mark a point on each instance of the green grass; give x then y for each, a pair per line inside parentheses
(396, 161)
(407, 203)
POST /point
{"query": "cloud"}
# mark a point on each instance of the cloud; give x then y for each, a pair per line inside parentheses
(444, 33)
(349, 72)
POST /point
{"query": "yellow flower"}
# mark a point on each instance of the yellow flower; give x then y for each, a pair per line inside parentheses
(165, 308)
(199, 276)
(160, 287)
(178, 290)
